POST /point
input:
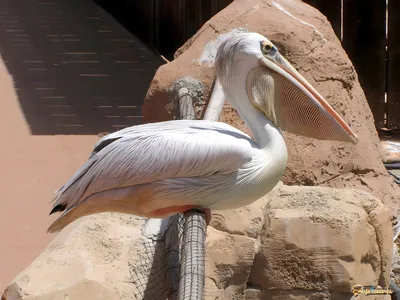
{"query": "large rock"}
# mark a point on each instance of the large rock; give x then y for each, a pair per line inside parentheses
(297, 243)
(306, 39)
(97, 257)
(323, 240)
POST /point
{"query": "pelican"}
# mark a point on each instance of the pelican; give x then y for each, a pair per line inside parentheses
(159, 169)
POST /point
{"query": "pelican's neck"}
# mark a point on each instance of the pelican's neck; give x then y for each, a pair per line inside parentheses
(266, 134)
(264, 131)
(269, 163)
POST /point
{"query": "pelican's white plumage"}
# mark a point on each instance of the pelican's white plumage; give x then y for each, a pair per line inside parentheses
(199, 163)
(159, 169)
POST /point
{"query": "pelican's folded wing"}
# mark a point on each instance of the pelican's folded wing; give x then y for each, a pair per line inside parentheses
(152, 152)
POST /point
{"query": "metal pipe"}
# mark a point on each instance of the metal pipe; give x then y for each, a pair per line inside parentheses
(192, 279)
(192, 235)
(173, 234)
(186, 108)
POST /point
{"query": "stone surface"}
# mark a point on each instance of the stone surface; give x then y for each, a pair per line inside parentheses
(323, 240)
(305, 37)
(391, 150)
(395, 275)
(229, 261)
(295, 243)
(98, 257)
(305, 295)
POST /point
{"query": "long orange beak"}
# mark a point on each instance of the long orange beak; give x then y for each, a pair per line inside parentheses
(293, 104)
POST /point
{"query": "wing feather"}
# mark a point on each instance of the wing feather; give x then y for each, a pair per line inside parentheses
(152, 152)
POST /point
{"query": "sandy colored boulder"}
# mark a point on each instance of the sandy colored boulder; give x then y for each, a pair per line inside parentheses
(96, 257)
(314, 243)
(301, 295)
(229, 261)
(305, 37)
(111, 256)
(323, 240)
(295, 243)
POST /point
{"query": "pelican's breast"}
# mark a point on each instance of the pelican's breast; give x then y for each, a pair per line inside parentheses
(255, 179)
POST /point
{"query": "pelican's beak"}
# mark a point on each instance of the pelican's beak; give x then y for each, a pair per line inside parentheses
(292, 103)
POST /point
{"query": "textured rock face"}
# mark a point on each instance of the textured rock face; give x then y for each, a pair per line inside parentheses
(306, 39)
(324, 241)
(395, 275)
(297, 243)
(98, 257)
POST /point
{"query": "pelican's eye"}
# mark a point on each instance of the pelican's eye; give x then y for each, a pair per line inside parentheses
(267, 48)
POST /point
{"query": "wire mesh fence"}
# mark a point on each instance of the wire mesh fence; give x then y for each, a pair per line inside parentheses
(148, 266)
(173, 248)
(171, 262)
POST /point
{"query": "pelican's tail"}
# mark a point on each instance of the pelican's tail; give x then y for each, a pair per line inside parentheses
(67, 217)
(68, 197)
(62, 205)
(120, 200)
(73, 213)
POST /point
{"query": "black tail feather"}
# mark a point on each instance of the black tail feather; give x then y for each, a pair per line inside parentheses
(58, 208)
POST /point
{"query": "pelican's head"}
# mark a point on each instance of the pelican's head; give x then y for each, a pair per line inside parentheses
(275, 87)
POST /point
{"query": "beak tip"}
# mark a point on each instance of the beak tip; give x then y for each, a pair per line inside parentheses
(353, 138)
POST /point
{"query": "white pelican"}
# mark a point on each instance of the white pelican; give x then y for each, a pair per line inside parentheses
(160, 169)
